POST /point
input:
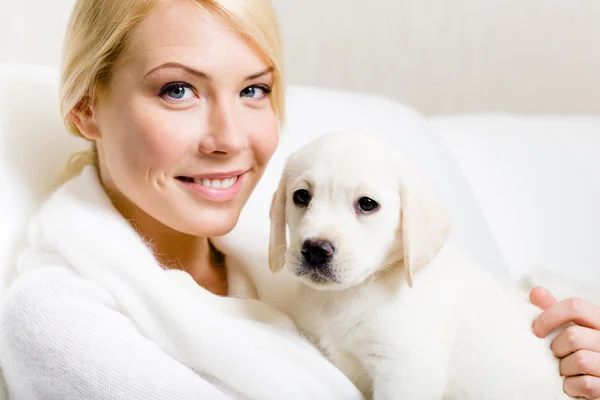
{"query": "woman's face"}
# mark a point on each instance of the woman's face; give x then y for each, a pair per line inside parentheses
(186, 127)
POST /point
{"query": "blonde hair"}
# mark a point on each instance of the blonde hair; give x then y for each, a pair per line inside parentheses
(97, 36)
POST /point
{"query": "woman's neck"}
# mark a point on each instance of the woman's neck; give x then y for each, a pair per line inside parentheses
(176, 250)
(193, 254)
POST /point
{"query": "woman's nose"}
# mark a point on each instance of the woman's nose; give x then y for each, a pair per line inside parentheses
(224, 136)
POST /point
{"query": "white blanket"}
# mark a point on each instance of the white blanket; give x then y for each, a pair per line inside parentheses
(91, 314)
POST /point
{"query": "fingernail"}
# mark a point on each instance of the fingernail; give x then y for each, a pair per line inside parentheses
(534, 329)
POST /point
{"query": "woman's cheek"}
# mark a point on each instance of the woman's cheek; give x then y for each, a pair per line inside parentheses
(268, 140)
(165, 137)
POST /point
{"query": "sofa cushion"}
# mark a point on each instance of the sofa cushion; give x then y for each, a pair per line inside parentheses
(537, 181)
(34, 147)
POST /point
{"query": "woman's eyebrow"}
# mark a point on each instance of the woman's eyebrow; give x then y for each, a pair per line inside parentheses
(201, 74)
(259, 74)
(192, 71)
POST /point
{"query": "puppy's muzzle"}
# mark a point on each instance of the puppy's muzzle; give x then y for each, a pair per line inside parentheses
(317, 253)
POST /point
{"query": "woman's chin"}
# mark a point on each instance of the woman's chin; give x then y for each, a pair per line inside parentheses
(211, 223)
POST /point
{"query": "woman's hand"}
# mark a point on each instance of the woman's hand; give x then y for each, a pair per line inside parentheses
(578, 346)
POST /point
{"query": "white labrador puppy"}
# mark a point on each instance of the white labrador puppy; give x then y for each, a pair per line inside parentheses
(361, 228)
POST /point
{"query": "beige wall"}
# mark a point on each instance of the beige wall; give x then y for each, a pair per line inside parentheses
(440, 56)
(536, 56)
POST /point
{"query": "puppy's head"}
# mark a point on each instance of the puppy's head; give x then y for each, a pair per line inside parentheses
(353, 209)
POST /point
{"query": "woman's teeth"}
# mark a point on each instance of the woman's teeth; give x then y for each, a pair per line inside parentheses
(217, 183)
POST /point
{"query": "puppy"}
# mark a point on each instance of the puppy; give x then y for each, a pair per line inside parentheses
(383, 295)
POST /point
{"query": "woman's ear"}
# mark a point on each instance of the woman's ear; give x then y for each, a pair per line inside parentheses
(84, 118)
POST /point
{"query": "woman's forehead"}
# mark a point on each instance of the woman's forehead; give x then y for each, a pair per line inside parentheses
(183, 32)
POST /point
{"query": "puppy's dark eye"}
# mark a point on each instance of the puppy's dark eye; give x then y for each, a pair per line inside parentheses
(301, 197)
(366, 205)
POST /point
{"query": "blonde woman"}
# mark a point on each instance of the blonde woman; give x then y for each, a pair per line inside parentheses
(182, 100)
(121, 294)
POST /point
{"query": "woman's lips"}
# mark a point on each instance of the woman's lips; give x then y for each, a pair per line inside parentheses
(220, 187)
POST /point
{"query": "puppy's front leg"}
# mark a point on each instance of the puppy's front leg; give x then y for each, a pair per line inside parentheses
(418, 377)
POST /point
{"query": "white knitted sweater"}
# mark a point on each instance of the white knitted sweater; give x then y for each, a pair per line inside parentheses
(92, 315)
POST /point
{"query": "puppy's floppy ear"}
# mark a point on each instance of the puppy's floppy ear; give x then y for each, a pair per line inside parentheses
(425, 222)
(277, 238)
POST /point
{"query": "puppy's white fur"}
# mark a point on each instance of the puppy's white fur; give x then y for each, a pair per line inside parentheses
(399, 331)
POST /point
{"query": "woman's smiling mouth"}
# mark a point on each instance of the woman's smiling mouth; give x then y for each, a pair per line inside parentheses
(219, 187)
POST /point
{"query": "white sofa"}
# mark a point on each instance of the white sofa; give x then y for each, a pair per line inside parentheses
(537, 182)
(523, 191)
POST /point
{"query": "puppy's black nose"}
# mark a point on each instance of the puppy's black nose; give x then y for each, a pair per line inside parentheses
(317, 253)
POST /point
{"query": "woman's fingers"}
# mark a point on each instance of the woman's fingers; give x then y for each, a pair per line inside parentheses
(587, 387)
(541, 298)
(582, 371)
(571, 310)
(578, 346)
(576, 338)
(582, 362)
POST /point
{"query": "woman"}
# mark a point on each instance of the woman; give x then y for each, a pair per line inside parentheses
(121, 293)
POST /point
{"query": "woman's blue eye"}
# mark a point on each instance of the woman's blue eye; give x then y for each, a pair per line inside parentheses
(178, 91)
(255, 92)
